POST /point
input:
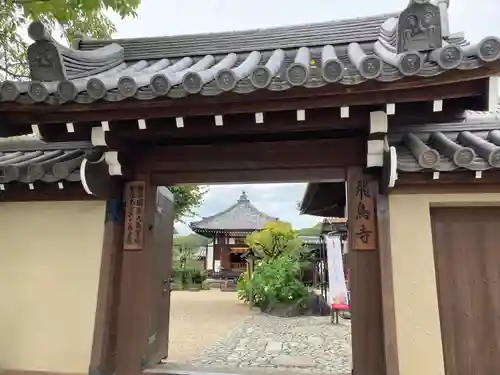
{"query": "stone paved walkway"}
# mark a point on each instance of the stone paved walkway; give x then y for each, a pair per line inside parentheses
(310, 344)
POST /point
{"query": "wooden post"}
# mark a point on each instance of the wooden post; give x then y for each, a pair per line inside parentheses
(135, 293)
(388, 308)
(103, 357)
(363, 260)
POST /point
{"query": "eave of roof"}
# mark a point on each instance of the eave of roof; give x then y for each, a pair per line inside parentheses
(29, 160)
(324, 199)
(470, 144)
(343, 52)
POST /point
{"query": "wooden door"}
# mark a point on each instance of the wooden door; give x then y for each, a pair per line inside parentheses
(467, 255)
(160, 281)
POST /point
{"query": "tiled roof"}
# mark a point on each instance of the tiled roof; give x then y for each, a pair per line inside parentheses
(28, 161)
(311, 240)
(471, 144)
(242, 215)
(345, 52)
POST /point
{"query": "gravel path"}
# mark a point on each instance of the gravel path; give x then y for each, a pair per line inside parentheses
(199, 319)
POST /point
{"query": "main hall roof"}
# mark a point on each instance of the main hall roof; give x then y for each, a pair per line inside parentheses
(382, 48)
(241, 216)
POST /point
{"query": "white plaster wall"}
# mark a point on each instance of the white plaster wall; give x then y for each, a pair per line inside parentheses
(49, 272)
(217, 265)
(210, 257)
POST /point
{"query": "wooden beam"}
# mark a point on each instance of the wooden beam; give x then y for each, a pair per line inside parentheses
(322, 119)
(259, 101)
(248, 176)
(299, 155)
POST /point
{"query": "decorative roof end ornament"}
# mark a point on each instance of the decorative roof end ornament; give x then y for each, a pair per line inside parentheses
(44, 56)
(420, 27)
(243, 197)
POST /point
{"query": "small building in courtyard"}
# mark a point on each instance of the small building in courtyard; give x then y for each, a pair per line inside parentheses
(228, 230)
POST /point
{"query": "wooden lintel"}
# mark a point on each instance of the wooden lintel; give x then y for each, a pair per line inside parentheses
(322, 122)
(248, 176)
(237, 125)
(299, 155)
(261, 101)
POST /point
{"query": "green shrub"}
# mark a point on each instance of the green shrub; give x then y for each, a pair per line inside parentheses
(187, 277)
(243, 287)
(273, 281)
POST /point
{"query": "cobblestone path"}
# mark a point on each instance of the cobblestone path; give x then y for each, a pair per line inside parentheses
(310, 344)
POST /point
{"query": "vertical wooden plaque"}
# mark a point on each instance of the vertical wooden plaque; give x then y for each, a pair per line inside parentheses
(362, 223)
(135, 199)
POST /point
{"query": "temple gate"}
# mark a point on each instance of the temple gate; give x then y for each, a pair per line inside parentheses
(380, 103)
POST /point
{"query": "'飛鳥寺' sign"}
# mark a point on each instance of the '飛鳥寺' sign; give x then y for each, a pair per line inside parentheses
(134, 215)
(362, 216)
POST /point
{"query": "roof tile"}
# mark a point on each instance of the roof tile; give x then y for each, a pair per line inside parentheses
(346, 52)
(242, 215)
(471, 144)
(28, 161)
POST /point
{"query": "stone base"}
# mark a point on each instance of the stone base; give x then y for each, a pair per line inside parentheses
(284, 309)
(312, 305)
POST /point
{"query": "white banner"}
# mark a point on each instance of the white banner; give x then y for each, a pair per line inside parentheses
(337, 289)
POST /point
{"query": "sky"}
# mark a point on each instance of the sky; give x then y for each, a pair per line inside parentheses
(477, 19)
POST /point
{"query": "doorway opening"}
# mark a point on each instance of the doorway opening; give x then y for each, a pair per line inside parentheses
(213, 324)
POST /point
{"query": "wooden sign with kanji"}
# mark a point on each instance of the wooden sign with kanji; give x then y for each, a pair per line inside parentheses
(134, 215)
(362, 224)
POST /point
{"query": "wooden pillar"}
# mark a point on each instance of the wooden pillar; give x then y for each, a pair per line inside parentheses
(226, 257)
(103, 357)
(366, 295)
(136, 291)
(388, 308)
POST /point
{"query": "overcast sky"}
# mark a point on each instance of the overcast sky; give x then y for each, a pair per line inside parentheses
(477, 19)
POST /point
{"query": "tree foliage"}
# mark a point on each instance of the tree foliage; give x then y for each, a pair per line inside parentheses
(313, 231)
(65, 17)
(69, 17)
(276, 238)
(191, 241)
(276, 279)
(187, 199)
